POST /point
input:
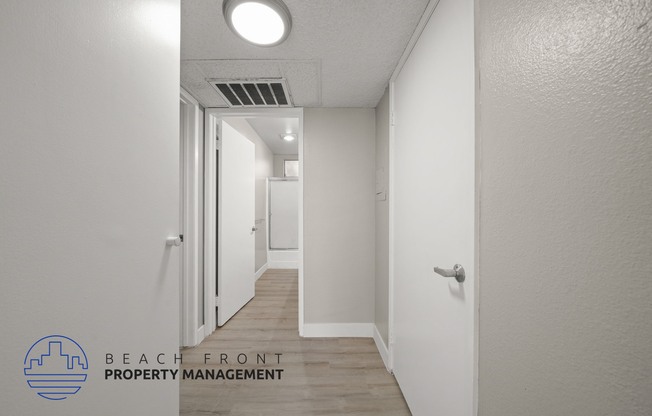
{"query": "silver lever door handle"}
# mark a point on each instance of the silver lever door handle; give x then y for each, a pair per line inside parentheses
(457, 272)
(174, 241)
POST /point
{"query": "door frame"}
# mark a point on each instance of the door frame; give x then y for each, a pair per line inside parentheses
(211, 120)
(192, 330)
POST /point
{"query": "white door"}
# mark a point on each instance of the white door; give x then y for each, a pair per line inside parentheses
(434, 214)
(284, 214)
(236, 219)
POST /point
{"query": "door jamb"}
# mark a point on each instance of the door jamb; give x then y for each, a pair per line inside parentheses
(192, 332)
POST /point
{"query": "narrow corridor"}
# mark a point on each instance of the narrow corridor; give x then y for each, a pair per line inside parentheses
(321, 376)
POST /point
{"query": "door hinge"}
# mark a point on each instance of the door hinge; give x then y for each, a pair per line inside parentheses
(217, 301)
(392, 122)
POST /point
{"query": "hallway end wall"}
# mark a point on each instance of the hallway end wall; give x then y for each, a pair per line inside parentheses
(566, 203)
(339, 160)
(279, 163)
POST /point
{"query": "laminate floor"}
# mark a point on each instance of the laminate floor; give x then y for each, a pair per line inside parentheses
(321, 376)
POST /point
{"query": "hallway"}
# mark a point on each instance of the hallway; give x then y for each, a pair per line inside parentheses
(322, 376)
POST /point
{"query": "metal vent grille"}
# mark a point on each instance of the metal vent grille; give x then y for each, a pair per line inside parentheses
(269, 92)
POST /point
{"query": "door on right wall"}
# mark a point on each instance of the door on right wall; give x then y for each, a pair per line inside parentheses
(434, 216)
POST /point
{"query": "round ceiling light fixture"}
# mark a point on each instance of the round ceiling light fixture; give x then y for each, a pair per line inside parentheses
(259, 22)
(288, 137)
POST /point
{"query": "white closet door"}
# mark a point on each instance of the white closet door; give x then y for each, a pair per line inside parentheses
(434, 214)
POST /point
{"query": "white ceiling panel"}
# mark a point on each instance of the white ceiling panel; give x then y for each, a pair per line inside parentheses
(340, 53)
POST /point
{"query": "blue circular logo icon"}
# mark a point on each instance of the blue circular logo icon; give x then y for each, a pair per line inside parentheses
(56, 367)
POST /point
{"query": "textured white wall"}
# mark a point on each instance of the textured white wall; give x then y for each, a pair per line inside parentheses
(381, 317)
(264, 169)
(339, 159)
(566, 208)
(89, 191)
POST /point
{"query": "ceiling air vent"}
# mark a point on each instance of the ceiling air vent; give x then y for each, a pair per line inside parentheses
(268, 92)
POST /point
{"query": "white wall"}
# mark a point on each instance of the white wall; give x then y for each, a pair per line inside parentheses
(89, 185)
(264, 169)
(381, 317)
(565, 246)
(278, 163)
(339, 159)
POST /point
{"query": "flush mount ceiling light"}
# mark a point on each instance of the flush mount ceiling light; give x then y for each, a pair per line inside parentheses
(260, 22)
(288, 137)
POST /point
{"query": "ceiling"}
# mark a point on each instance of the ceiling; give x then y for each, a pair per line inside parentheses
(340, 53)
(269, 129)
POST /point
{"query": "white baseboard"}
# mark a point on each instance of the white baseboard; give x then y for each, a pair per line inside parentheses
(283, 264)
(283, 259)
(262, 270)
(358, 330)
(382, 348)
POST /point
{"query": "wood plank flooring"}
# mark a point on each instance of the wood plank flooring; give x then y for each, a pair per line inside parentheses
(321, 376)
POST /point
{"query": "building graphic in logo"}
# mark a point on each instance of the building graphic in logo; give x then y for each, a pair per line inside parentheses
(56, 367)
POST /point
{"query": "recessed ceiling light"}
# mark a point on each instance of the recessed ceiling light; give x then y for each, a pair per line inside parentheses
(260, 22)
(288, 137)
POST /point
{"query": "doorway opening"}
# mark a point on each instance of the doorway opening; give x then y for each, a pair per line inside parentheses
(252, 142)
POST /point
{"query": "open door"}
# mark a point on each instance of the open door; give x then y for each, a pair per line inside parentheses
(235, 222)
